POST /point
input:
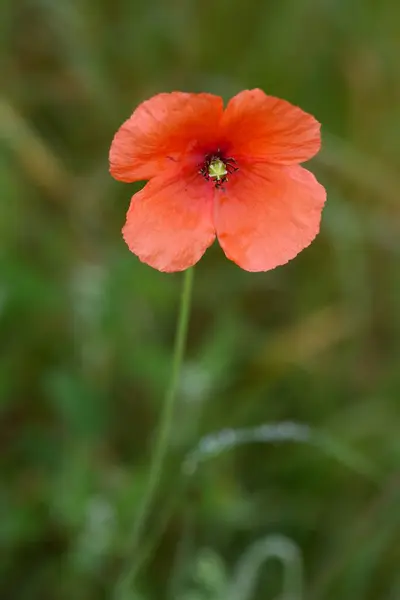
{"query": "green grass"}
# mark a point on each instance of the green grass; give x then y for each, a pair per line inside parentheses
(87, 331)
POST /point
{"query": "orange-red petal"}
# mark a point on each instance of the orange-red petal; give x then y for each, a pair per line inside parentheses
(169, 223)
(264, 128)
(268, 214)
(162, 130)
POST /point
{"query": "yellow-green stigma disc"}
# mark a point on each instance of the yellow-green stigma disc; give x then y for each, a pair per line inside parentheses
(217, 169)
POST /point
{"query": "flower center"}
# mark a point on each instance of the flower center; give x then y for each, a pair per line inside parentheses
(216, 168)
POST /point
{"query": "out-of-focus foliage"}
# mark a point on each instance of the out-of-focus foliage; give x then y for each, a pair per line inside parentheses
(87, 331)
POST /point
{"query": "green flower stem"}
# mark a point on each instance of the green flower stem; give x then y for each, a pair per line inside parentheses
(124, 588)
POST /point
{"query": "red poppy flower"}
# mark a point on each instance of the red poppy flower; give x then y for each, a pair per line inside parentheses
(233, 174)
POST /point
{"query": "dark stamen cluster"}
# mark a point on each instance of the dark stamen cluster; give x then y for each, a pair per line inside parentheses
(210, 174)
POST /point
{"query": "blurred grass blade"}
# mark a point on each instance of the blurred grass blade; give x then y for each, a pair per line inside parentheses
(36, 159)
(214, 444)
(280, 547)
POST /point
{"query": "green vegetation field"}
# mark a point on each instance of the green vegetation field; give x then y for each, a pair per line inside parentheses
(294, 373)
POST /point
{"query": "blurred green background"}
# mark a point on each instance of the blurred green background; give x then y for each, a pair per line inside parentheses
(310, 351)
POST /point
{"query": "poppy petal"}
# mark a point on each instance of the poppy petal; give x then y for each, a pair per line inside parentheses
(169, 223)
(267, 215)
(162, 130)
(264, 128)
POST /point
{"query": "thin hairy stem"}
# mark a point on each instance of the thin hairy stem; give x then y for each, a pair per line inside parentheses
(124, 589)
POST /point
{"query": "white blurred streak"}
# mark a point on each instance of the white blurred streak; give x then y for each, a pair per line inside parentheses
(278, 547)
(214, 444)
